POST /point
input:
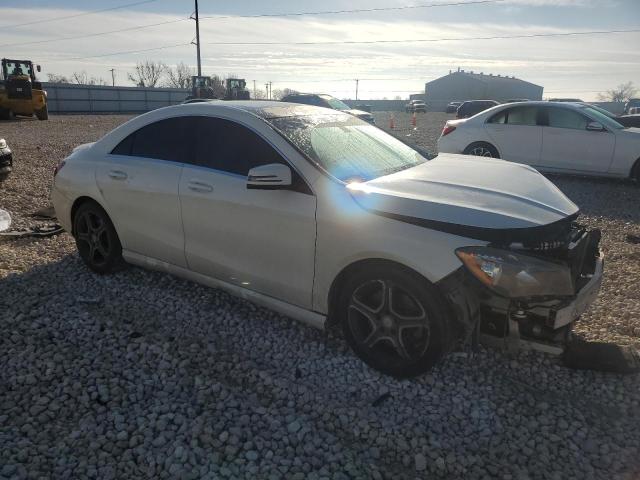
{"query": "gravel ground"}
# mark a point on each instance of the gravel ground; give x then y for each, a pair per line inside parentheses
(143, 375)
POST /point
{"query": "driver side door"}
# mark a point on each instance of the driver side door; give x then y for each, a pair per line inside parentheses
(262, 240)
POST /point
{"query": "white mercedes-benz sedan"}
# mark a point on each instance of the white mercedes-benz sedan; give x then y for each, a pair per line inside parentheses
(326, 218)
(553, 137)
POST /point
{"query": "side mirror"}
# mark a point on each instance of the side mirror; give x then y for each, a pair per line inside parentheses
(595, 127)
(273, 176)
(38, 68)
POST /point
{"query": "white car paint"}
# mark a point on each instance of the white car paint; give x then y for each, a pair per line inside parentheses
(283, 248)
(611, 152)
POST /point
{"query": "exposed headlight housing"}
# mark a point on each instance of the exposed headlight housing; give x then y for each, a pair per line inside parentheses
(3, 143)
(515, 275)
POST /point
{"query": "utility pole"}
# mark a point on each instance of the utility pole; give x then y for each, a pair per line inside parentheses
(357, 81)
(254, 89)
(113, 77)
(197, 19)
(270, 91)
(267, 87)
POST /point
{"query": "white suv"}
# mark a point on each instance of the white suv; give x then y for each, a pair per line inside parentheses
(325, 218)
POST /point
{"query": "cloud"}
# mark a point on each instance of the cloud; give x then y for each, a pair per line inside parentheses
(558, 63)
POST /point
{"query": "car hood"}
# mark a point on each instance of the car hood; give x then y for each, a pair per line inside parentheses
(476, 197)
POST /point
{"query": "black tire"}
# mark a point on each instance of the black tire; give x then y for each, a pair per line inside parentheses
(97, 240)
(635, 172)
(43, 113)
(414, 321)
(6, 114)
(482, 149)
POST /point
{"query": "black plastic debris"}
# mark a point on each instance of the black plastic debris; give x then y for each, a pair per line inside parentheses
(37, 231)
(635, 239)
(601, 357)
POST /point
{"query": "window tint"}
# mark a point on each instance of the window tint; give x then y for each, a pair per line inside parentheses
(565, 118)
(230, 147)
(163, 140)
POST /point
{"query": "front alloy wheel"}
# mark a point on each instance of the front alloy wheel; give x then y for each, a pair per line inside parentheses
(395, 320)
(388, 321)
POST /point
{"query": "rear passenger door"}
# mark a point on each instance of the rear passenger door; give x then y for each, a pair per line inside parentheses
(263, 240)
(139, 183)
(516, 134)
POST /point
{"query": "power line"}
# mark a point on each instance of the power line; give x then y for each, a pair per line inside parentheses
(46, 20)
(357, 10)
(427, 40)
(88, 35)
(125, 53)
(366, 42)
(177, 20)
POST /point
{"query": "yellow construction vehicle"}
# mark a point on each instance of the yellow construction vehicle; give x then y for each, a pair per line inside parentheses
(20, 92)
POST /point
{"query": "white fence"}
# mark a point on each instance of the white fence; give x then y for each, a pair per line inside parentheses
(68, 98)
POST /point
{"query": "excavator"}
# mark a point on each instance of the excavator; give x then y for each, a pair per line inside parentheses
(20, 92)
(207, 88)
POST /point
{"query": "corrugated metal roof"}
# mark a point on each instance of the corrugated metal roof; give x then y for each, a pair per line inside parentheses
(486, 78)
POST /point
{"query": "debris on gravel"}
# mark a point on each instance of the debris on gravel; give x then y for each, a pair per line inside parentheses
(144, 375)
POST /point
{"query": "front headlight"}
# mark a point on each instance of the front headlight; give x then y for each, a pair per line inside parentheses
(514, 275)
(3, 143)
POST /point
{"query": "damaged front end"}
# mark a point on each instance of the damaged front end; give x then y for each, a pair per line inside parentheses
(527, 291)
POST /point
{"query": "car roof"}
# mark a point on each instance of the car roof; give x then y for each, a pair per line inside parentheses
(263, 109)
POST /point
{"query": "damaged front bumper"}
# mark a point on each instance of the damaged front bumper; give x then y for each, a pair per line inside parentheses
(536, 322)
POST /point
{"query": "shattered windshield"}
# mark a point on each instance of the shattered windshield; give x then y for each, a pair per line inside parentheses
(346, 147)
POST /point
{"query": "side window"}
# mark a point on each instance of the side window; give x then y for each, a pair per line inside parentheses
(124, 147)
(500, 117)
(565, 118)
(516, 116)
(163, 140)
(230, 147)
(522, 116)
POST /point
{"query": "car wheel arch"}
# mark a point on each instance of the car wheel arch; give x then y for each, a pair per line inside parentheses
(78, 202)
(357, 266)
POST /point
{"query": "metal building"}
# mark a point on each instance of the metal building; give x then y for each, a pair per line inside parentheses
(459, 86)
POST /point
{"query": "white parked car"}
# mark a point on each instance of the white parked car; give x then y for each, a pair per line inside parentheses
(326, 218)
(553, 137)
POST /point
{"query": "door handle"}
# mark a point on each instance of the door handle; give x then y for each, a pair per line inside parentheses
(118, 175)
(199, 186)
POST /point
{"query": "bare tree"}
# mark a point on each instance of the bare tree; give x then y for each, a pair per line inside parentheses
(81, 78)
(180, 77)
(55, 78)
(259, 94)
(147, 73)
(622, 93)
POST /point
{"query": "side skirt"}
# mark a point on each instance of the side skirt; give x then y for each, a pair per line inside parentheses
(308, 317)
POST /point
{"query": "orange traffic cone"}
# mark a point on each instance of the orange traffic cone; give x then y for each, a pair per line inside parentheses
(392, 122)
(413, 120)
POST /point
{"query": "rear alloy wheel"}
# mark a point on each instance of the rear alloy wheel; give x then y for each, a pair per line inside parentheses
(395, 321)
(96, 239)
(482, 149)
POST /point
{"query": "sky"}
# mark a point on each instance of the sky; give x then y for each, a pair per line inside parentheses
(566, 66)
